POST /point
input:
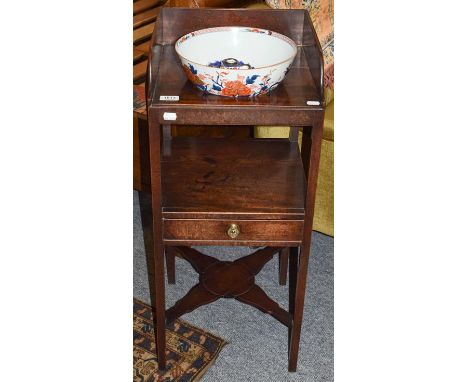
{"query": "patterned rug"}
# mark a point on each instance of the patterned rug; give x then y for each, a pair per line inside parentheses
(190, 351)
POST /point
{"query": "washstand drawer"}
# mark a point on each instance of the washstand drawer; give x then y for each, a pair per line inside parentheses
(232, 231)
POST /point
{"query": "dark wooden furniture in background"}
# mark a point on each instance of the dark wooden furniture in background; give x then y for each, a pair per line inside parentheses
(256, 192)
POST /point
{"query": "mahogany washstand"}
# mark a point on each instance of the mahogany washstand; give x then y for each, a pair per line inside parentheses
(249, 192)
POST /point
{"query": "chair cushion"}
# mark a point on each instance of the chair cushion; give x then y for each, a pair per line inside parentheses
(328, 124)
(324, 204)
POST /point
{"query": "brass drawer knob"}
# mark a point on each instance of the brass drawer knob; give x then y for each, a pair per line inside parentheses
(233, 231)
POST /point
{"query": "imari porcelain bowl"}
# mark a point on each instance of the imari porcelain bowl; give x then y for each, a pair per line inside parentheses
(236, 61)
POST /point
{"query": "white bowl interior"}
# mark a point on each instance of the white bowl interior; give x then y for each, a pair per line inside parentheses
(257, 49)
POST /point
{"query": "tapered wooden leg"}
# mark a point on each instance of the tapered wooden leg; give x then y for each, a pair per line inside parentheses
(160, 306)
(312, 140)
(298, 307)
(170, 264)
(143, 141)
(293, 253)
(158, 303)
(293, 134)
(283, 265)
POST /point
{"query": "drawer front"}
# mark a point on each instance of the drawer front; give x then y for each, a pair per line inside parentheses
(231, 232)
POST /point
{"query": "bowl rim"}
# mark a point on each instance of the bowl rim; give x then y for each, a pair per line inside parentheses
(245, 29)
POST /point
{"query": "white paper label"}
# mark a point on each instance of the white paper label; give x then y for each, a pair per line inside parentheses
(313, 103)
(168, 98)
(170, 116)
